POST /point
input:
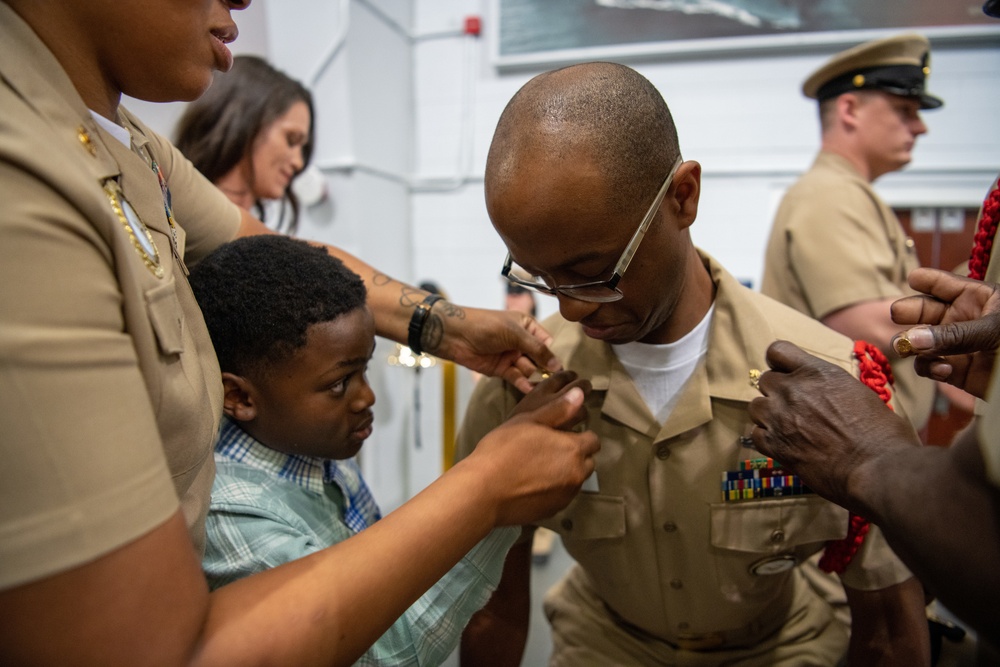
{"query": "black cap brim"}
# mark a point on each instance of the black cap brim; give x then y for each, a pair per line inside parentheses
(930, 102)
(927, 101)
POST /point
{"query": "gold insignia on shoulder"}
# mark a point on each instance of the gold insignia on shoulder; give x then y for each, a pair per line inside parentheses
(85, 140)
(755, 378)
(136, 229)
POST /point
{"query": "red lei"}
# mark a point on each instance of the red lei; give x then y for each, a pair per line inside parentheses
(986, 230)
(874, 371)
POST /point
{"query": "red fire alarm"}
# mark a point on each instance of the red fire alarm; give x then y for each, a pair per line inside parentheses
(473, 26)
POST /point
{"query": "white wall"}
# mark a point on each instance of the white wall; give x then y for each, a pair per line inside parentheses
(406, 107)
(743, 118)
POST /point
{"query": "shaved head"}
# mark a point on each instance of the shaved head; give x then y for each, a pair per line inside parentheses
(604, 113)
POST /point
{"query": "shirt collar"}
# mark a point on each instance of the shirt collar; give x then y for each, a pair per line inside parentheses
(235, 444)
(739, 331)
(837, 163)
(738, 338)
(115, 130)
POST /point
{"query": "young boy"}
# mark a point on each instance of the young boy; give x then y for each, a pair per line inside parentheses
(298, 408)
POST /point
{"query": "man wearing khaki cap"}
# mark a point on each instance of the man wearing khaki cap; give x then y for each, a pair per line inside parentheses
(837, 251)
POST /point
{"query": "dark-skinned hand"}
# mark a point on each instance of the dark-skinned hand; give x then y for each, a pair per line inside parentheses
(959, 346)
(551, 388)
(823, 424)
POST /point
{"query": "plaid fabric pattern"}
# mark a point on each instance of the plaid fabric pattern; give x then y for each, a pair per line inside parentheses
(360, 508)
(269, 508)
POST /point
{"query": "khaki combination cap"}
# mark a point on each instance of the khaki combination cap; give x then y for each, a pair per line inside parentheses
(898, 65)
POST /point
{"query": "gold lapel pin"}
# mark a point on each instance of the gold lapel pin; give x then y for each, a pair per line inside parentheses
(85, 140)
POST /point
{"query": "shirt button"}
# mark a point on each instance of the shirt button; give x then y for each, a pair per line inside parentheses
(778, 536)
(567, 524)
(663, 452)
(670, 526)
(676, 584)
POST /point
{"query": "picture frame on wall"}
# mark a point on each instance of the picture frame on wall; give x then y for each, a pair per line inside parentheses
(532, 33)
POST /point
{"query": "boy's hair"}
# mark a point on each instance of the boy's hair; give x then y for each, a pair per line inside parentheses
(260, 294)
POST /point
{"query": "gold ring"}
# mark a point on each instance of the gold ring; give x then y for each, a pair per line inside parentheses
(903, 345)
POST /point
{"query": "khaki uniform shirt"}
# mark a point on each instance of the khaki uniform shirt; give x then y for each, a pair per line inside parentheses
(656, 541)
(835, 243)
(989, 431)
(110, 393)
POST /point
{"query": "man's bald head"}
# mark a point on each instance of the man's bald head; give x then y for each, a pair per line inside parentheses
(604, 113)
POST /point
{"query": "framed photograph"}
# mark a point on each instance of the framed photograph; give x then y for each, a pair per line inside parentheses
(530, 33)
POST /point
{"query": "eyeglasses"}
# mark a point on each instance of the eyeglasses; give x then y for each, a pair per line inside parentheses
(600, 291)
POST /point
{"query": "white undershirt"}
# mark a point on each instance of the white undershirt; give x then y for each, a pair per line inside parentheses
(661, 371)
(117, 131)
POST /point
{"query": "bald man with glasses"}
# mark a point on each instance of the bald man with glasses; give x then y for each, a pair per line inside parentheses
(681, 556)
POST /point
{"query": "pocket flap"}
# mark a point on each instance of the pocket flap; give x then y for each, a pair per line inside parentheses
(166, 317)
(774, 525)
(591, 516)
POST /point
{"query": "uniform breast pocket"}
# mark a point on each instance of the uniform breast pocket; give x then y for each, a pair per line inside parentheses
(593, 531)
(166, 318)
(176, 378)
(768, 537)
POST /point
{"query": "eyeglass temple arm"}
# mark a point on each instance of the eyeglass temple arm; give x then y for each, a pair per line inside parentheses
(633, 243)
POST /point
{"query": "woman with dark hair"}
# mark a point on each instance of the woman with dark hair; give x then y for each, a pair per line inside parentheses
(251, 134)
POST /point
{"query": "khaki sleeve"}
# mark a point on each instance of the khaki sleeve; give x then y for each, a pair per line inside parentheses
(83, 466)
(988, 426)
(839, 251)
(875, 566)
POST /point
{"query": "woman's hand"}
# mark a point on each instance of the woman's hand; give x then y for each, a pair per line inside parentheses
(500, 343)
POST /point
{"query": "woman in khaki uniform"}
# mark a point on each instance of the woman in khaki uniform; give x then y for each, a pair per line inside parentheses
(111, 395)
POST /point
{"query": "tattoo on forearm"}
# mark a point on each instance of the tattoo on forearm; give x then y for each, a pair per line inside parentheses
(451, 310)
(410, 296)
(433, 334)
(380, 279)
